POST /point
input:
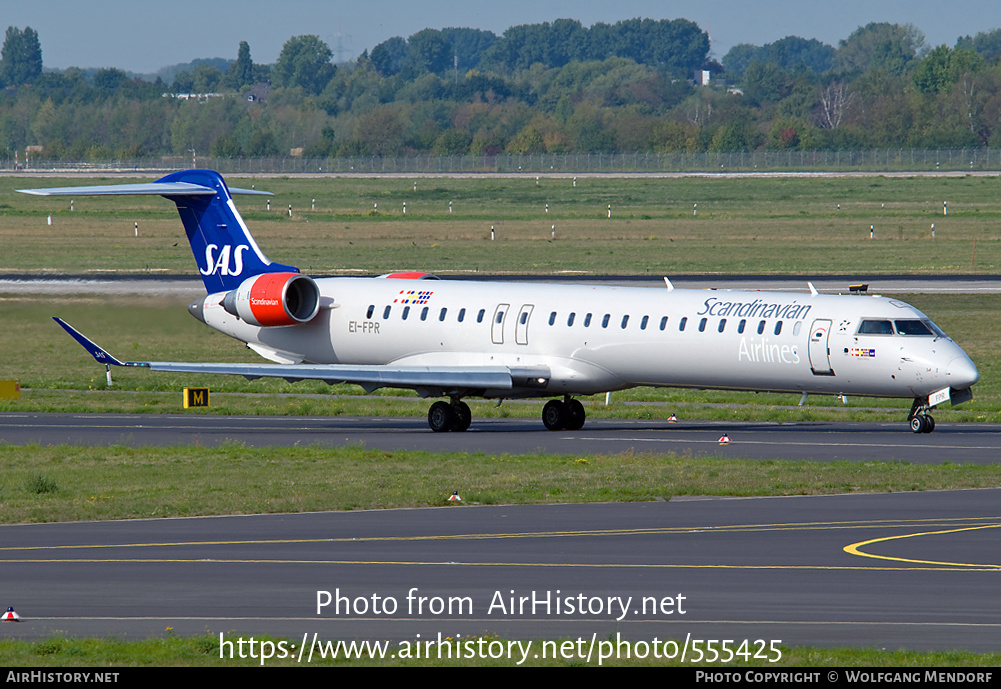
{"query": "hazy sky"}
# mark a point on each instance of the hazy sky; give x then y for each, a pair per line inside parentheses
(145, 36)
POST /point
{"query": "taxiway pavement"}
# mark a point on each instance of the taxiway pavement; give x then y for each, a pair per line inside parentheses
(823, 441)
(907, 570)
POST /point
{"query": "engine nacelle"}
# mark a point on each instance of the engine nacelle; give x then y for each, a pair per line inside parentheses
(274, 299)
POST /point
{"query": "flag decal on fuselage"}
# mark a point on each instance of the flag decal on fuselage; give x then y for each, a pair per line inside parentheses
(413, 296)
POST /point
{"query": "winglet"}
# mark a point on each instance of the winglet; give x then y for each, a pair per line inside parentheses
(96, 351)
(667, 281)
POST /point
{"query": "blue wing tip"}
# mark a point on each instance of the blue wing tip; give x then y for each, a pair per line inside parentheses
(99, 354)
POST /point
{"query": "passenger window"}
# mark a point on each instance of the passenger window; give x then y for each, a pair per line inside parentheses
(682, 323)
(385, 313)
(424, 313)
(480, 314)
(604, 321)
(406, 312)
(778, 327)
(722, 324)
(500, 316)
(796, 328)
(625, 321)
(371, 310)
(646, 319)
(524, 317)
(552, 318)
(702, 325)
(441, 316)
(570, 319)
(663, 322)
(761, 327)
(875, 327)
(462, 315)
(587, 321)
(740, 326)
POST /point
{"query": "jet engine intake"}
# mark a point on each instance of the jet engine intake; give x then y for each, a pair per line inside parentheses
(274, 299)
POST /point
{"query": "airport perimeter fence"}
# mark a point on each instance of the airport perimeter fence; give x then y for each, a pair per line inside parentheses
(875, 160)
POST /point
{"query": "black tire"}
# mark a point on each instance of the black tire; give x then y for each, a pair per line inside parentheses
(929, 424)
(440, 417)
(463, 417)
(575, 415)
(554, 415)
(918, 423)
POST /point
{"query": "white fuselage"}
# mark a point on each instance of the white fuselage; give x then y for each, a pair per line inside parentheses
(597, 338)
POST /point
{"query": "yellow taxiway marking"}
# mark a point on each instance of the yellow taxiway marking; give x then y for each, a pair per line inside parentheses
(954, 525)
(854, 549)
(450, 563)
(977, 522)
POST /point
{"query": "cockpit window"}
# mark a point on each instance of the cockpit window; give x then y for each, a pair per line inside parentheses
(935, 329)
(875, 327)
(913, 327)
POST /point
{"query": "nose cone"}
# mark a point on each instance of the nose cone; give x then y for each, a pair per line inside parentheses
(197, 308)
(962, 372)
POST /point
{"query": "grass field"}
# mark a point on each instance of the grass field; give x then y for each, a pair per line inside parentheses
(203, 651)
(68, 483)
(809, 226)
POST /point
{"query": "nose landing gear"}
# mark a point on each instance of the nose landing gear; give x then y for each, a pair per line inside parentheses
(919, 418)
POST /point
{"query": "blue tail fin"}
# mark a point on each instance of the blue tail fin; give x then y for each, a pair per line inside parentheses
(224, 249)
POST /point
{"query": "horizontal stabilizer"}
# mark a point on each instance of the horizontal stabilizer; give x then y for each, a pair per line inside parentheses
(149, 188)
(221, 243)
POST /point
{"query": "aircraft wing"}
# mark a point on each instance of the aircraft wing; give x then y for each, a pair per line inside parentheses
(430, 379)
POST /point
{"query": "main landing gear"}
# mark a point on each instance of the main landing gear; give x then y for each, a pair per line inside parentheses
(445, 416)
(568, 415)
(919, 418)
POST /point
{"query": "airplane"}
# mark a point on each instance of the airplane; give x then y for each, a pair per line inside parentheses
(456, 339)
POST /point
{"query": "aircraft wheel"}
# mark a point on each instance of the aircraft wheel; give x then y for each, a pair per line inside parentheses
(440, 417)
(920, 423)
(929, 424)
(554, 415)
(575, 415)
(463, 417)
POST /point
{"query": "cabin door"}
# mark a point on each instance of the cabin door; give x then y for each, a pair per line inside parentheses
(820, 354)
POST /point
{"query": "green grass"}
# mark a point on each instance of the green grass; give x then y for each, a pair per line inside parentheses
(203, 651)
(71, 483)
(744, 225)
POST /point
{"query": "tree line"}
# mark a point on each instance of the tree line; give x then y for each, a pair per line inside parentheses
(555, 87)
